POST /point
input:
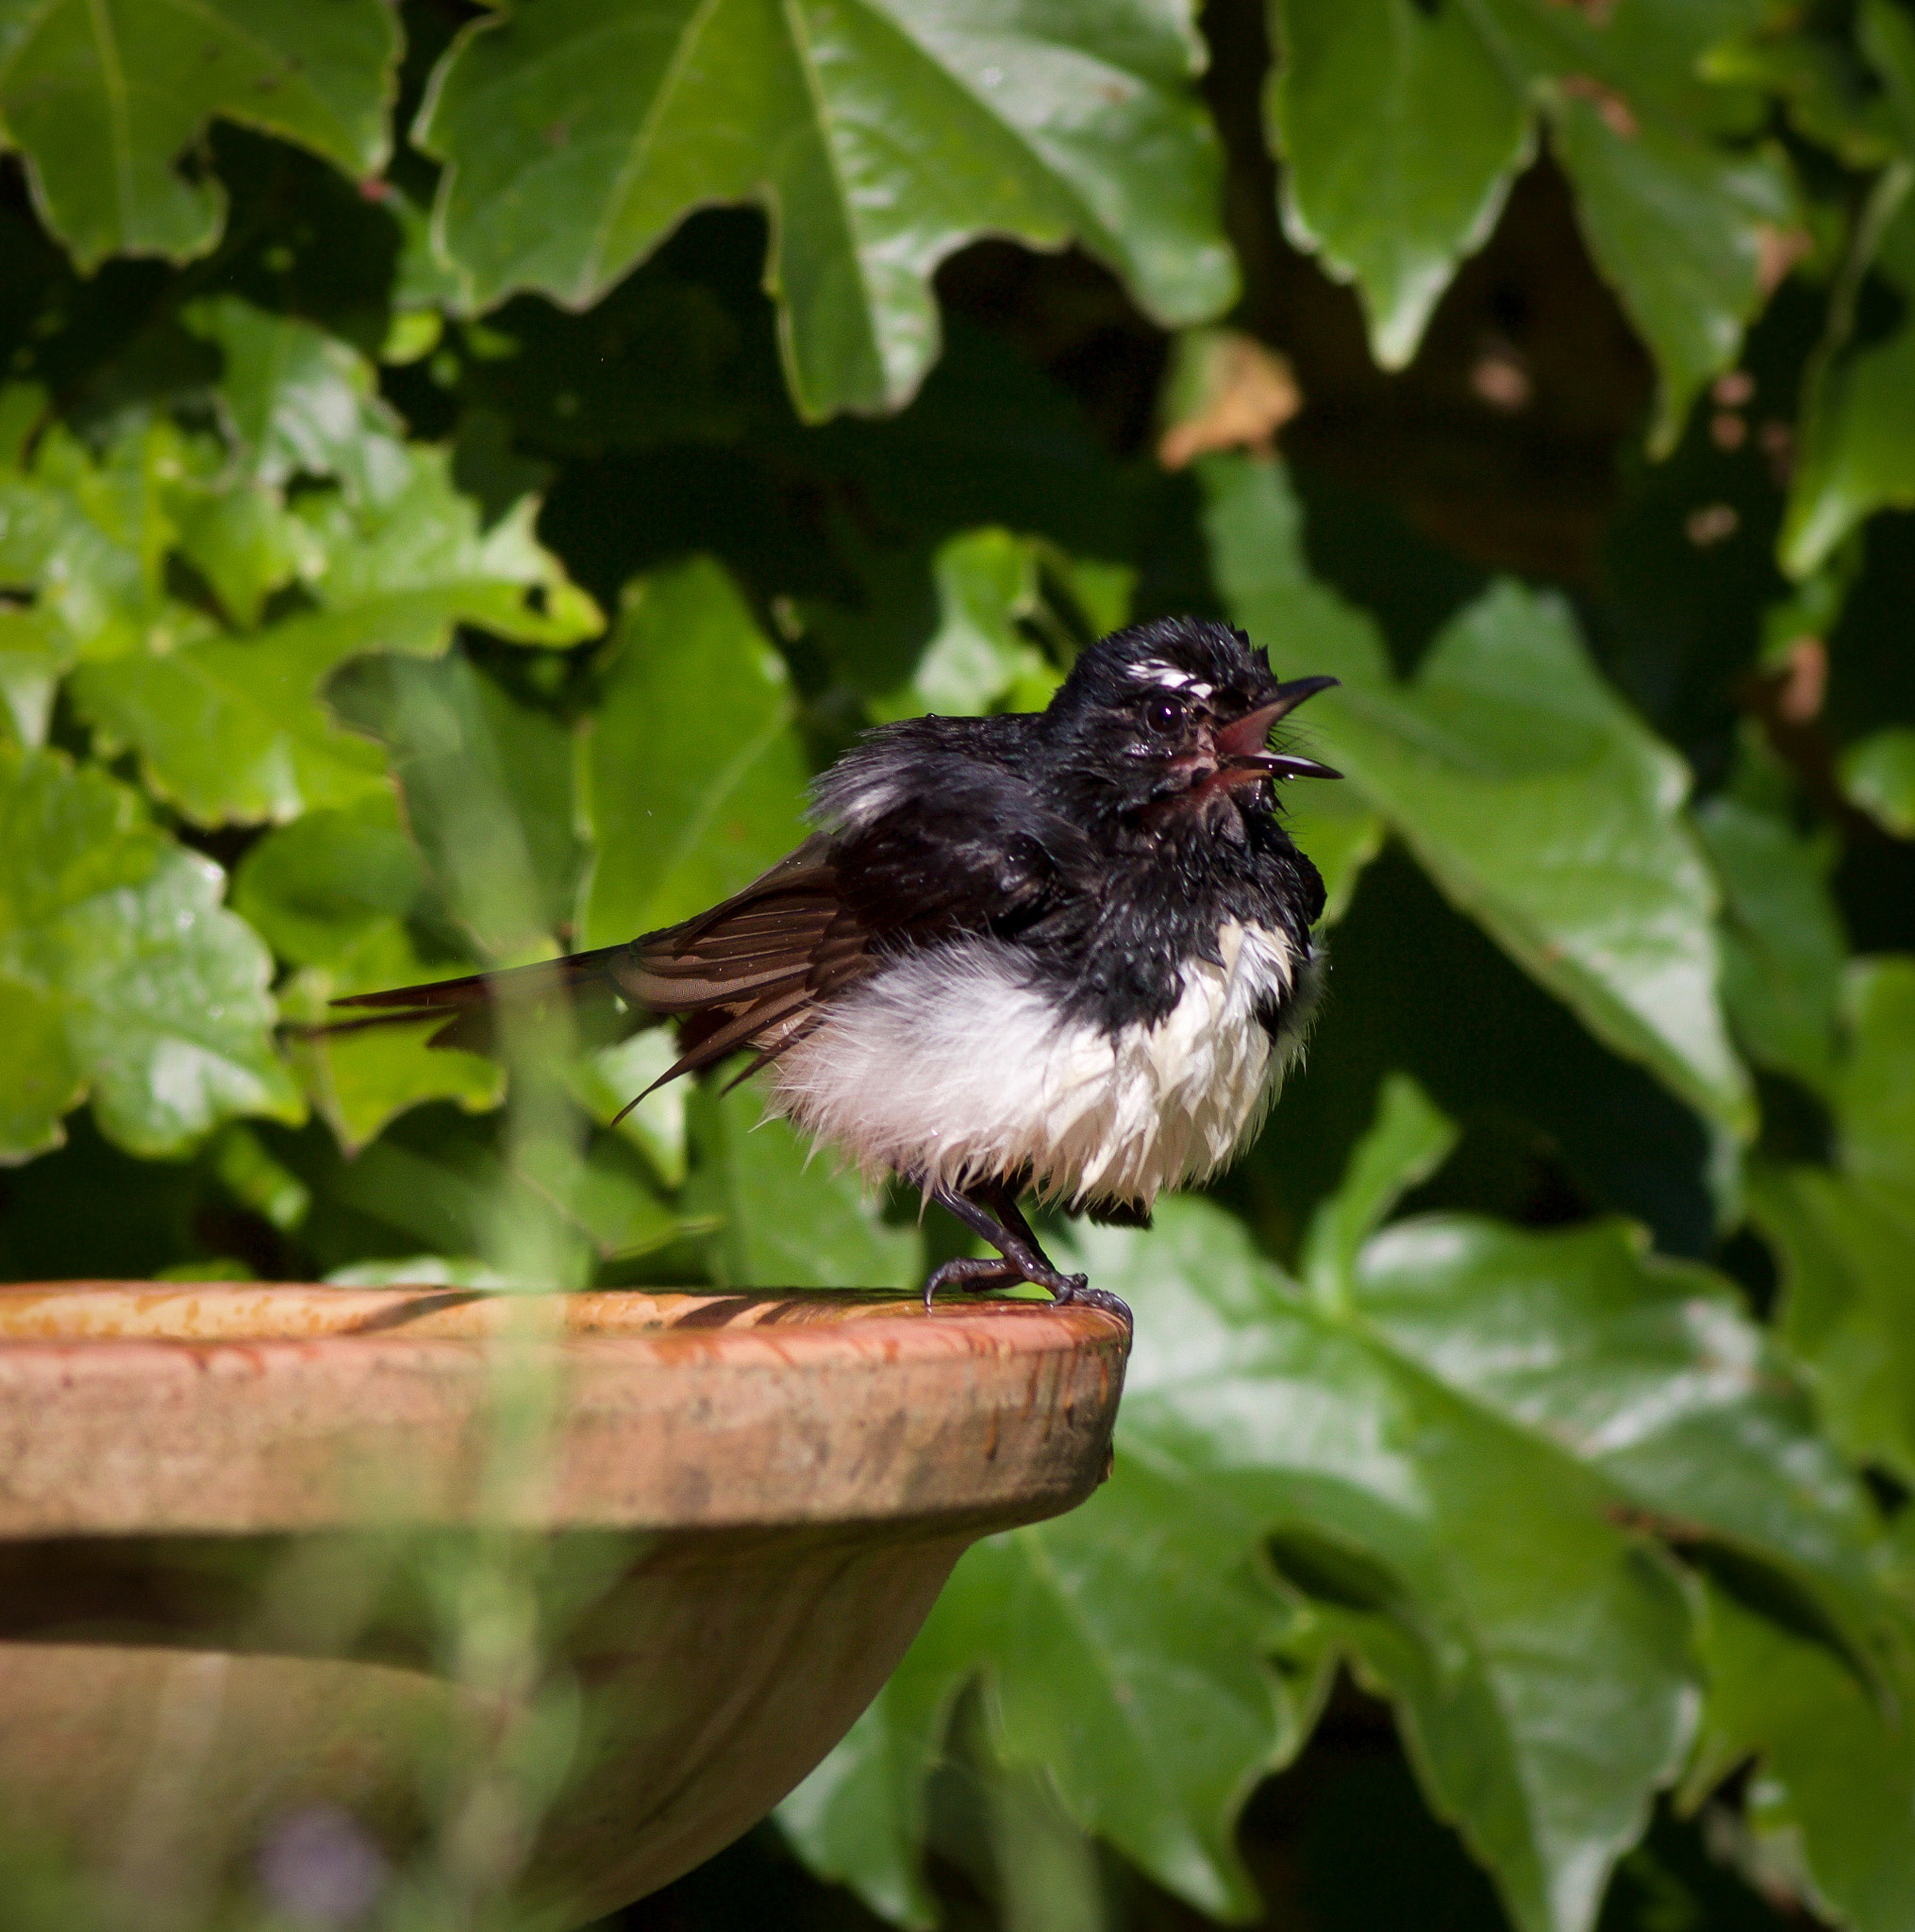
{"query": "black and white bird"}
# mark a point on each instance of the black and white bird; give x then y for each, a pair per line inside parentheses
(1064, 952)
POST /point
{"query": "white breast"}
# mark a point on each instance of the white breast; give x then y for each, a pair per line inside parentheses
(949, 1066)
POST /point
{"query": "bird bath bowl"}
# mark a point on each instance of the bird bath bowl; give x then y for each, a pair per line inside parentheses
(234, 1522)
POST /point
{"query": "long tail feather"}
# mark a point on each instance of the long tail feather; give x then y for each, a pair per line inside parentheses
(465, 1005)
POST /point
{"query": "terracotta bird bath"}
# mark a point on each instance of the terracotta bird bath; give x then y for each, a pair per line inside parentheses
(222, 1507)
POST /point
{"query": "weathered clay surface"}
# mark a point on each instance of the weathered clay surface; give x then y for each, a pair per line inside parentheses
(196, 1483)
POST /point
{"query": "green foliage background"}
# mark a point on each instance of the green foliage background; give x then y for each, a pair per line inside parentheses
(461, 472)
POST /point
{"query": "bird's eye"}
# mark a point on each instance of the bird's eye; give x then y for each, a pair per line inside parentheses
(1163, 716)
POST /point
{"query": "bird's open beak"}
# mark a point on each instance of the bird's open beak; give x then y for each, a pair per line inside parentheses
(1241, 747)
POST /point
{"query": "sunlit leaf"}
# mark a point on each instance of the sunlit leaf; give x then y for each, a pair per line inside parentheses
(1783, 946)
(299, 402)
(576, 138)
(104, 99)
(232, 729)
(121, 973)
(694, 777)
(1528, 791)
(1402, 132)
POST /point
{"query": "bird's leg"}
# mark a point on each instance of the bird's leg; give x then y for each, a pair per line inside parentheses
(973, 1274)
(1002, 1198)
(1023, 1259)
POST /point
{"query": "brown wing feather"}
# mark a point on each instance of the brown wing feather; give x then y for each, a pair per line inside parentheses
(751, 972)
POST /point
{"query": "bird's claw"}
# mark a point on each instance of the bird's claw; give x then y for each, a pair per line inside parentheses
(1077, 1289)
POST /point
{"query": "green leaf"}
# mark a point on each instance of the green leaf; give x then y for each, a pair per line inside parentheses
(298, 402)
(1127, 1656)
(1847, 1262)
(1648, 1370)
(1858, 413)
(1122, 1648)
(1878, 777)
(980, 660)
(1408, 1141)
(318, 889)
(1783, 947)
(232, 729)
(1833, 1797)
(454, 1202)
(1530, 793)
(103, 97)
(87, 539)
(487, 787)
(1402, 126)
(331, 892)
(1875, 1097)
(578, 136)
(412, 561)
(1676, 223)
(120, 972)
(604, 1194)
(787, 1220)
(360, 1082)
(35, 652)
(607, 1081)
(246, 1169)
(716, 794)
(1846, 1238)
(1534, 1650)
(1401, 133)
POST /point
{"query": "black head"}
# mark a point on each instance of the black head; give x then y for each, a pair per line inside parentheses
(1167, 726)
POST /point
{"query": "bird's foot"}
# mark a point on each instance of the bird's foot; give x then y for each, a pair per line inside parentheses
(972, 1274)
(1077, 1289)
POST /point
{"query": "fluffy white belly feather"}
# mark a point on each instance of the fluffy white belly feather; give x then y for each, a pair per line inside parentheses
(949, 1067)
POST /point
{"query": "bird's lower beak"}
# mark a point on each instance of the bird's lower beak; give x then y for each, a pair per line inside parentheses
(1241, 747)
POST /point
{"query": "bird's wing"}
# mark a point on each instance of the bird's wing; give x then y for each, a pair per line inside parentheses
(964, 849)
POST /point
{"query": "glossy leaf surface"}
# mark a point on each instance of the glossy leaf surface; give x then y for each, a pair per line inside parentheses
(104, 100)
(122, 974)
(1402, 131)
(1529, 793)
(695, 777)
(880, 138)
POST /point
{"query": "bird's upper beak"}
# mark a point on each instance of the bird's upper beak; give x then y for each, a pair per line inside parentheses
(1242, 750)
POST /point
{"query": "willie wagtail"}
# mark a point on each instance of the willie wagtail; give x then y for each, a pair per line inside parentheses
(1065, 951)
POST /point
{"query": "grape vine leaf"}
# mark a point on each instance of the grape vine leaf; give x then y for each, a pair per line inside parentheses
(879, 138)
(121, 973)
(232, 729)
(1532, 795)
(1403, 134)
(694, 776)
(1833, 1797)
(105, 100)
(1403, 127)
(1461, 1508)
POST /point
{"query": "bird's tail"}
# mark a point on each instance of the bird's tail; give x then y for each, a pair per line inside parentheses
(467, 1004)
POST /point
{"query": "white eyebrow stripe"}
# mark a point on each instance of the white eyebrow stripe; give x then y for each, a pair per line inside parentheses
(1174, 680)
